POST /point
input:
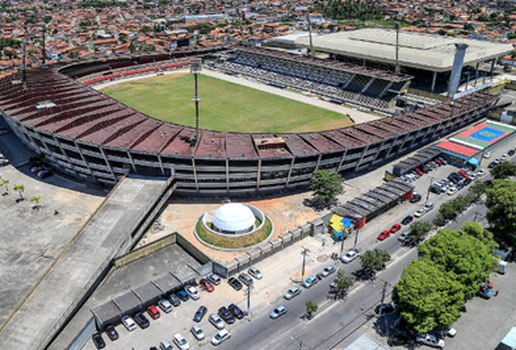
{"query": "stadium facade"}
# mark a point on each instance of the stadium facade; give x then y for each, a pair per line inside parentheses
(82, 132)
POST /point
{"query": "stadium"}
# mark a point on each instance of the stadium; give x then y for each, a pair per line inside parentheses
(83, 132)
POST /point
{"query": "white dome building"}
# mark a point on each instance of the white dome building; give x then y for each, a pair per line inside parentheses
(233, 218)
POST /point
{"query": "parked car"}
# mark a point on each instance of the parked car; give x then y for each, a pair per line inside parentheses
(245, 279)
(398, 339)
(419, 213)
(430, 340)
(428, 206)
(407, 220)
(98, 341)
(141, 320)
(153, 312)
(181, 342)
(491, 165)
(395, 228)
(253, 271)
(183, 295)
(452, 191)
(111, 333)
(220, 337)
(504, 156)
(215, 279)
(463, 173)
(292, 292)
(487, 155)
(481, 172)
(174, 300)
(165, 345)
(328, 270)
(467, 181)
(415, 198)
(128, 323)
(351, 255)
(419, 171)
(310, 282)
(384, 235)
(510, 153)
(279, 311)
(165, 305)
(226, 315)
(236, 311)
(403, 236)
(216, 321)
(197, 332)
(435, 189)
(206, 285)
(200, 314)
(192, 292)
(233, 282)
(362, 275)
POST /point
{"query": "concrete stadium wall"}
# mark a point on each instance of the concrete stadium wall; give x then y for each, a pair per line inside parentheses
(145, 250)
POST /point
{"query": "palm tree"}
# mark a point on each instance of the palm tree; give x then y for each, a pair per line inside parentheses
(20, 189)
(36, 200)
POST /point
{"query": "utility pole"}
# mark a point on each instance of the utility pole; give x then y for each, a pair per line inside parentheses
(429, 185)
(312, 53)
(397, 27)
(248, 294)
(195, 68)
(356, 239)
(385, 283)
(304, 252)
(341, 246)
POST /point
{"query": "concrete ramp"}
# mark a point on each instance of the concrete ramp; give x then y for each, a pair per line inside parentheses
(118, 222)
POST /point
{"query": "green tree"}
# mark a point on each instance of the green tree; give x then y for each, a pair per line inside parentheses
(427, 297)
(311, 308)
(463, 257)
(469, 26)
(442, 32)
(374, 260)
(343, 282)
(503, 170)
(419, 230)
(20, 189)
(47, 19)
(483, 18)
(132, 48)
(501, 204)
(478, 188)
(145, 29)
(5, 183)
(326, 185)
(476, 230)
(36, 199)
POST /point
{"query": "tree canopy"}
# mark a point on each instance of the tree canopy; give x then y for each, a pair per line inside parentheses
(427, 297)
(326, 184)
(352, 9)
(418, 230)
(461, 256)
(501, 204)
(503, 170)
(374, 260)
(343, 282)
(476, 230)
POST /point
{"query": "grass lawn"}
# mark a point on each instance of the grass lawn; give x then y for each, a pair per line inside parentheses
(225, 106)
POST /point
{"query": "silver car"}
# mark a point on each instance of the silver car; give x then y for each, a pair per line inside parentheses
(328, 270)
(292, 292)
(279, 311)
(197, 332)
(350, 256)
(253, 271)
(216, 321)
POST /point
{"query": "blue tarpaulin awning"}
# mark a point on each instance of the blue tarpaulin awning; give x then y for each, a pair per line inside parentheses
(473, 161)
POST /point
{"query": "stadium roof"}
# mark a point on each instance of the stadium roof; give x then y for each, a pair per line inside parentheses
(416, 50)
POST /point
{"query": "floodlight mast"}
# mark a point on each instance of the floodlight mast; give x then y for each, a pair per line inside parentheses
(397, 27)
(195, 68)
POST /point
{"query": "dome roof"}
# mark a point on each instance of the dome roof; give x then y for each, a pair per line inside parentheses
(233, 217)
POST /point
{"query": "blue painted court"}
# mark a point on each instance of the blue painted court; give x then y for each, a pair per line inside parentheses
(487, 134)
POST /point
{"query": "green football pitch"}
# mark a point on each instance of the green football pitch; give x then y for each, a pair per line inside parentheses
(224, 106)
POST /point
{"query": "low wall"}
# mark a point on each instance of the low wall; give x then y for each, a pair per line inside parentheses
(258, 254)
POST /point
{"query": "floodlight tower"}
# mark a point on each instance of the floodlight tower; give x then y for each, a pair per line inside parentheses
(397, 28)
(195, 68)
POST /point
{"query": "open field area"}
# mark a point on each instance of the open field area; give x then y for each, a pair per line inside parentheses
(225, 106)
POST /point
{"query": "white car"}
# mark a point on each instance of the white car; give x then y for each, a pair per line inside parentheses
(481, 172)
(430, 340)
(420, 213)
(487, 155)
(254, 272)
(181, 342)
(129, 323)
(504, 156)
(310, 282)
(279, 311)
(403, 236)
(165, 305)
(451, 332)
(220, 337)
(292, 292)
(197, 332)
(328, 270)
(452, 191)
(350, 256)
(216, 321)
(428, 206)
(192, 292)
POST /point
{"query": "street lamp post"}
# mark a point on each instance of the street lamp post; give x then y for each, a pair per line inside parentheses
(429, 185)
(304, 252)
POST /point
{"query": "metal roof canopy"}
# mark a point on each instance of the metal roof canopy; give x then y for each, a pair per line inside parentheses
(129, 303)
(167, 283)
(107, 314)
(416, 50)
(342, 211)
(149, 293)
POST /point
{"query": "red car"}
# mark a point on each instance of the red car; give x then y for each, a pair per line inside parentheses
(206, 285)
(153, 312)
(384, 235)
(419, 171)
(395, 228)
(463, 173)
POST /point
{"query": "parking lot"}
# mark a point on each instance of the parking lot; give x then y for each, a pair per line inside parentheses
(283, 270)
